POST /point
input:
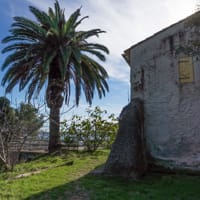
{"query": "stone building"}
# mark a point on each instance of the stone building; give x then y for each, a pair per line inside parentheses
(166, 75)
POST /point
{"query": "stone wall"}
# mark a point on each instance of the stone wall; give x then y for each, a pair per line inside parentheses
(171, 108)
(34, 146)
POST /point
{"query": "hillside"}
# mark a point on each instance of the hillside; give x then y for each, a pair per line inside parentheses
(66, 177)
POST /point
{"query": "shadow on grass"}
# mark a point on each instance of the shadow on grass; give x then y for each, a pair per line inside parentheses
(154, 186)
(75, 190)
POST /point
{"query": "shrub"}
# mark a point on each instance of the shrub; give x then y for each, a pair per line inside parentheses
(97, 129)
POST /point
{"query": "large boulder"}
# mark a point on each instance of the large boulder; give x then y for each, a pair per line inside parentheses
(128, 153)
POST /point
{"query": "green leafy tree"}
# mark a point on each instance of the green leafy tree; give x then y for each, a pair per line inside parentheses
(54, 51)
(17, 125)
(93, 131)
(7, 113)
(7, 122)
(29, 118)
(72, 130)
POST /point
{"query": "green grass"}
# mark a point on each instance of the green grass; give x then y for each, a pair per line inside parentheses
(62, 180)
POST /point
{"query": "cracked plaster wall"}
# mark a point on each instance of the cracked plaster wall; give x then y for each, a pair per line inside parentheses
(171, 108)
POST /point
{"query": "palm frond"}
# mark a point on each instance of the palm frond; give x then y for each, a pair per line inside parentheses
(16, 46)
(14, 57)
(24, 23)
(17, 38)
(70, 25)
(84, 35)
(94, 46)
(96, 53)
(65, 54)
(43, 18)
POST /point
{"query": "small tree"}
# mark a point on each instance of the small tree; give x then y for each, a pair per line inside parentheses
(93, 131)
(72, 130)
(29, 119)
(16, 125)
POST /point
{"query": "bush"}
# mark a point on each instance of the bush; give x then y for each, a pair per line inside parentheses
(95, 130)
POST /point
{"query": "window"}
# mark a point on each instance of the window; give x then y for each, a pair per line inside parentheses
(186, 71)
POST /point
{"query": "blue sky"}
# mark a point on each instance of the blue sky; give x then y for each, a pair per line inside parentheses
(126, 23)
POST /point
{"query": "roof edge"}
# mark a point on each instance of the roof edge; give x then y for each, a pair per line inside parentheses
(162, 30)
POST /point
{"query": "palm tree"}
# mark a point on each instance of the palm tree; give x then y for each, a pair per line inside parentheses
(52, 51)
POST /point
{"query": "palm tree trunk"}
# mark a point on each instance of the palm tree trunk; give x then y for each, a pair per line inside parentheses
(54, 126)
(54, 102)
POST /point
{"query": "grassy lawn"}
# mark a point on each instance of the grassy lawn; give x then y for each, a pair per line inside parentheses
(66, 177)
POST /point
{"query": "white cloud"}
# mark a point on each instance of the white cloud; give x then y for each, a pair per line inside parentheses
(126, 23)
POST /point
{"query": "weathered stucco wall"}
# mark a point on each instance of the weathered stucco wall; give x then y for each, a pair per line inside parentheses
(171, 108)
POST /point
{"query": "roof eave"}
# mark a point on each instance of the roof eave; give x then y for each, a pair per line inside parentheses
(127, 51)
(126, 56)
